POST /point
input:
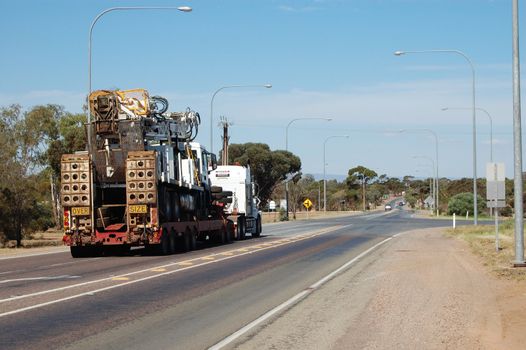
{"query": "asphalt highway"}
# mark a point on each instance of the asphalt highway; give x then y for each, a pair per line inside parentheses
(183, 301)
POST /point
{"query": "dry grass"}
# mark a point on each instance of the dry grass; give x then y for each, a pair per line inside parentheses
(48, 238)
(481, 239)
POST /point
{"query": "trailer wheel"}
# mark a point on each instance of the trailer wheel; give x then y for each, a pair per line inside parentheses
(85, 251)
(173, 242)
(165, 243)
(230, 230)
(257, 232)
(77, 252)
(241, 228)
(228, 234)
(193, 242)
(186, 241)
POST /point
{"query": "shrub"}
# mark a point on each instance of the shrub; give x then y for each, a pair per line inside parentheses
(462, 203)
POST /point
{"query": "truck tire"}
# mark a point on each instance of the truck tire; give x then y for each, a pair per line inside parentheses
(193, 240)
(230, 231)
(188, 240)
(85, 251)
(165, 243)
(257, 231)
(228, 237)
(241, 228)
(77, 252)
(173, 242)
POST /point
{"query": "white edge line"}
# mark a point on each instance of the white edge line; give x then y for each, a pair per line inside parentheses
(140, 279)
(294, 299)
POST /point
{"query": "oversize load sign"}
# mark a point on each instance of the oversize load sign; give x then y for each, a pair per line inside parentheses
(79, 211)
(138, 209)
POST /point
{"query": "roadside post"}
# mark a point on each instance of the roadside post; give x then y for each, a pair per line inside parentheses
(272, 208)
(454, 221)
(495, 192)
(307, 204)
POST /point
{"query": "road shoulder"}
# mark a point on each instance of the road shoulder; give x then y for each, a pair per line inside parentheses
(421, 290)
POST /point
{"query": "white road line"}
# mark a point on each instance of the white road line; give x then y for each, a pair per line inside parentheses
(6, 272)
(43, 278)
(295, 299)
(92, 292)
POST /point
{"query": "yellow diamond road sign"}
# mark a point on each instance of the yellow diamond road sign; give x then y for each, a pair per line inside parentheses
(307, 203)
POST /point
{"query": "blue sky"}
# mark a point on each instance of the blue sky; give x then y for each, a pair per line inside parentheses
(324, 58)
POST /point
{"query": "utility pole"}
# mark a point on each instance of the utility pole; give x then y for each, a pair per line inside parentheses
(225, 124)
(517, 141)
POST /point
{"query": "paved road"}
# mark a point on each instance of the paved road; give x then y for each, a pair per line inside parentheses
(186, 301)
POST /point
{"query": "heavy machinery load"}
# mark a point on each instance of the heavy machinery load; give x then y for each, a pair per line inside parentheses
(236, 180)
(142, 181)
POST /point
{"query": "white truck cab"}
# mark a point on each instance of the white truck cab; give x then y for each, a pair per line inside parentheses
(244, 207)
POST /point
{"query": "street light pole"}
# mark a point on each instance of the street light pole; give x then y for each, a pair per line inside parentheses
(458, 52)
(268, 86)
(434, 179)
(324, 170)
(436, 158)
(287, 149)
(490, 127)
(517, 141)
(431, 187)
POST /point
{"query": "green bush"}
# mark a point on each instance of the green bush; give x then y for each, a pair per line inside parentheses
(462, 203)
(283, 215)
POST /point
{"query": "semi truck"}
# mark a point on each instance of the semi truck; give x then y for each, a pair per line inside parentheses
(142, 181)
(243, 209)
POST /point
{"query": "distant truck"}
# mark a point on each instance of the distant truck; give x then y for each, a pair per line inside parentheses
(235, 180)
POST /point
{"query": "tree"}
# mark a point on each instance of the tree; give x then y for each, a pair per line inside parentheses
(268, 167)
(25, 139)
(462, 203)
(360, 175)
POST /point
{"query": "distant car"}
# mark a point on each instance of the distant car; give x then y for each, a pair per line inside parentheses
(388, 207)
(401, 204)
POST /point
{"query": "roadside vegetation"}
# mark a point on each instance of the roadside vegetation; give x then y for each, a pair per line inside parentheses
(481, 240)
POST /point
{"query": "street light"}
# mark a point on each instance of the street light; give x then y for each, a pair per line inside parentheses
(458, 52)
(287, 148)
(434, 191)
(268, 86)
(490, 127)
(517, 141)
(324, 170)
(436, 158)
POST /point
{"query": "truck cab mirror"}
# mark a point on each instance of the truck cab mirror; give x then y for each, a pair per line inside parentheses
(212, 162)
